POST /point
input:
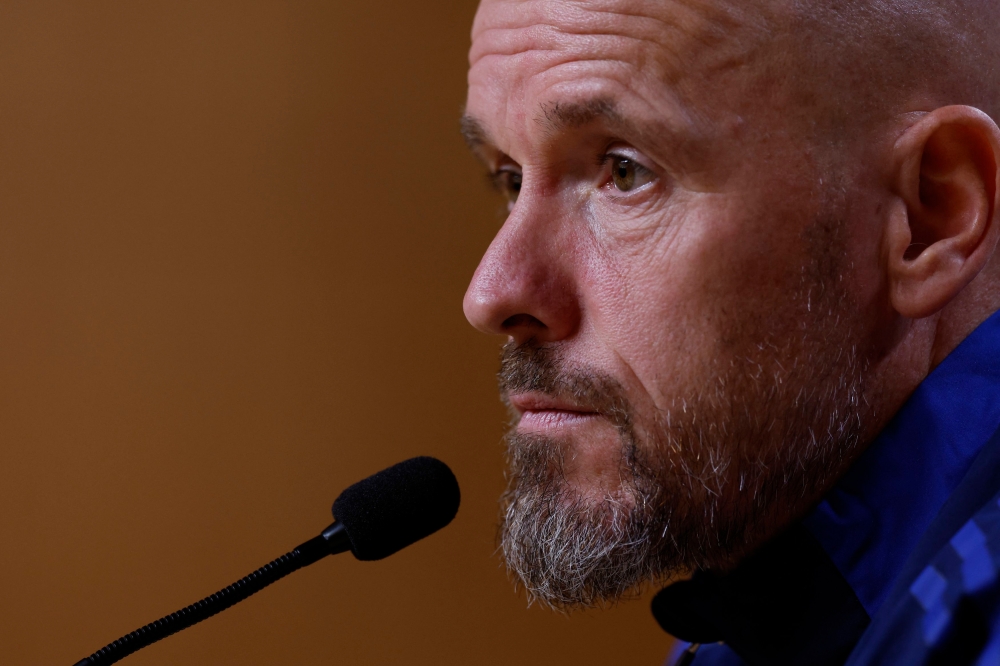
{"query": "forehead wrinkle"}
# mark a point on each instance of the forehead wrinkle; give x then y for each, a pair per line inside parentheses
(685, 63)
(639, 104)
(671, 49)
(575, 91)
(576, 16)
(677, 28)
(663, 125)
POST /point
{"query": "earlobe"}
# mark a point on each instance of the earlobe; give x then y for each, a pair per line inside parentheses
(943, 226)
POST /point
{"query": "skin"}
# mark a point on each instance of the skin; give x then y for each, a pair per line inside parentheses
(745, 140)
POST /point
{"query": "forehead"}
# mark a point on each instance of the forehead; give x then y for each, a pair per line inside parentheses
(651, 57)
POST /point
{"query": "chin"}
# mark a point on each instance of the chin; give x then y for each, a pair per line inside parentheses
(590, 455)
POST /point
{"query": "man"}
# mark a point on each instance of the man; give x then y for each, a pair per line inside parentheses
(747, 281)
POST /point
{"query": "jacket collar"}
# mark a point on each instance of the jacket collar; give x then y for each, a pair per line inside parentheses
(785, 604)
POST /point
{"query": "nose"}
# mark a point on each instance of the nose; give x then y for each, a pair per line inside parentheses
(524, 286)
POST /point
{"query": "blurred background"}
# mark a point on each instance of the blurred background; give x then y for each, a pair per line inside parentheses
(234, 239)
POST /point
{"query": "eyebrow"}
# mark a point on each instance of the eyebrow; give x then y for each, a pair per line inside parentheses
(556, 117)
(473, 132)
(560, 115)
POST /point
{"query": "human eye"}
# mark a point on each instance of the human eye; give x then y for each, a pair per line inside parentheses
(507, 180)
(625, 172)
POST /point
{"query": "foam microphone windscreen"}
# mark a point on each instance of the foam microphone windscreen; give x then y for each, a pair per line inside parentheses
(397, 506)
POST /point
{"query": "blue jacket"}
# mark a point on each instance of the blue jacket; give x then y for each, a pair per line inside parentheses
(899, 562)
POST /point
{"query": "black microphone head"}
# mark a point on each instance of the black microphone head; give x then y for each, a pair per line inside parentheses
(397, 506)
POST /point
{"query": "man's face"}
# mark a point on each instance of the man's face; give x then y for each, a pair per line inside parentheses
(679, 276)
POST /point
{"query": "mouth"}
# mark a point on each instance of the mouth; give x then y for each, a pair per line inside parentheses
(539, 413)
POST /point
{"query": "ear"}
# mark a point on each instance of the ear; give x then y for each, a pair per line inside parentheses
(945, 227)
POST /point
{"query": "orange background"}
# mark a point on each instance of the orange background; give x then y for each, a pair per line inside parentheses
(234, 239)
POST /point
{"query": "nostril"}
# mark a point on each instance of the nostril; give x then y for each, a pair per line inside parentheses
(521, 321)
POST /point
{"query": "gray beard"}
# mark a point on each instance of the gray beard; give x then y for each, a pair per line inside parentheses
(716, 476)
(567, 551)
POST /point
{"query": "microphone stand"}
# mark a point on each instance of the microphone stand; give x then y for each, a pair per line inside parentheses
(331, 541)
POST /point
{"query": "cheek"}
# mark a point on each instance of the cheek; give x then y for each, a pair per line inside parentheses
(677, 302)
(647, 308)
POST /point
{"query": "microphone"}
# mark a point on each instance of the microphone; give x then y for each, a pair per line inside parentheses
(373, 519)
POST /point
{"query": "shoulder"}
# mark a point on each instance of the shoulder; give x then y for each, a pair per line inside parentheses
(950, 611)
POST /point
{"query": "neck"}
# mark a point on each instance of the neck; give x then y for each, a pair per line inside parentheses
(912, 348)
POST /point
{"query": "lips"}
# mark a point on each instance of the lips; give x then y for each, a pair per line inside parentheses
(540, 412)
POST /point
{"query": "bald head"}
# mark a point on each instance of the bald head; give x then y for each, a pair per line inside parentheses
(868, 61)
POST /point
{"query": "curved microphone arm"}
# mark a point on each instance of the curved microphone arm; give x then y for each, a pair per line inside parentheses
(331, 541)
(373, 518)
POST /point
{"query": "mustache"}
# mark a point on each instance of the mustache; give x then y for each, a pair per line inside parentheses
(537, 368)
